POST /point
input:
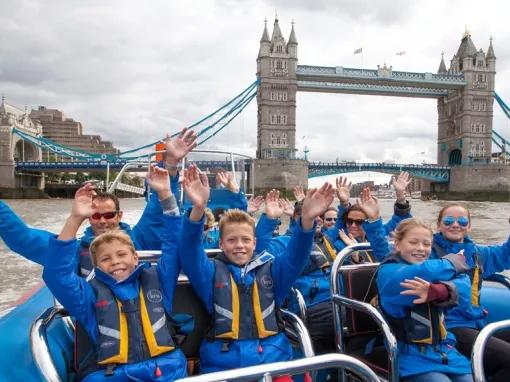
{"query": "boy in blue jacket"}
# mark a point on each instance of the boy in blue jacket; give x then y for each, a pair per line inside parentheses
(125, 308)
(241, 290)
(32, 243)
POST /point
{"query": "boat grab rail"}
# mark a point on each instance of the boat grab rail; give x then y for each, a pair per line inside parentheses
(298, 366)
(479, 348)
(300, 331)
(338, 301)
(39, 345)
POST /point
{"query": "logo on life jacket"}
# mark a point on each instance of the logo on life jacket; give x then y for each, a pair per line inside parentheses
(266, 281)
(154, 296)
(107, 344)
(101, 304)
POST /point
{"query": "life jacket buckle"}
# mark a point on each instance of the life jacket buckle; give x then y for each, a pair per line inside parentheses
(225, 347)
(109, 370)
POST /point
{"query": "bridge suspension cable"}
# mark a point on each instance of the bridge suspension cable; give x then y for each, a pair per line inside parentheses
(216, 122)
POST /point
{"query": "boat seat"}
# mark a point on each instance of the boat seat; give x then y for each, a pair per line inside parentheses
(362, 335)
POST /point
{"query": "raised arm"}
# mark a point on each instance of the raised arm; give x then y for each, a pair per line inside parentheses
(401, 209)
(268, 221)
(237, 198)
(289, 266)
(29, 242)
(194, 262)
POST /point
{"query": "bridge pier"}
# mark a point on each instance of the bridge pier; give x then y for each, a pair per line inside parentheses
(281, 174)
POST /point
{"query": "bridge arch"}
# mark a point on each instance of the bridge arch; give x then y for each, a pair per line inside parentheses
(25, 151)
(455, 158)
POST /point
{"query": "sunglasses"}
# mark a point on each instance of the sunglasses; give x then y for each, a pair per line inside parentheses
(330, 219)
(106, 215)
(358, 222)
(462, 220)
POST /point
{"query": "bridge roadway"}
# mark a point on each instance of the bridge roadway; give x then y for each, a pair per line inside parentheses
(435, 173)
(381, 81)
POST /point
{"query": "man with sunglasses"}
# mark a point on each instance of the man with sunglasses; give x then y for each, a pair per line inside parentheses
(32, 243)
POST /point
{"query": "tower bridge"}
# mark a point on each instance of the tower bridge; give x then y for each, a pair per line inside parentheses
(464, 93)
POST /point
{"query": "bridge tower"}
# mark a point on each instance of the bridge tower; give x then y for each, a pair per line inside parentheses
(276, 164)
(13, 148)
(465, 116)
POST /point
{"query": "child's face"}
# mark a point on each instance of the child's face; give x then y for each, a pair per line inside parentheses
(415, 246)
(453, 224)
(116, 259)
(238, 242)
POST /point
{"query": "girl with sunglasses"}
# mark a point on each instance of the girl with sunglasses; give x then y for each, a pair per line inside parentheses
(468, 318)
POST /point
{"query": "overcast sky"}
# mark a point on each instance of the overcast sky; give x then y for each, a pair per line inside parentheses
(132, 70)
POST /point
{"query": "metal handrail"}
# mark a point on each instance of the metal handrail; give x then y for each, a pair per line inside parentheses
(305, 342)
(299, 366)
(338, 300)
(39, 345)
(301, 303)
(479, 348)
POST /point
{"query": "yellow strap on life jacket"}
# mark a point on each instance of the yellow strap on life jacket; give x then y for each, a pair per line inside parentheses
(234, 333)
(150, 336)
(475, 292)
(329, 248)
(122, 357)
(257, 311)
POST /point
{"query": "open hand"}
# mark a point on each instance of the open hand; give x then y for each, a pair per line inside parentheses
(227, 180)
(400, 184)
(254, 204)
(343, 190)
(417, 287)
(316, 202)
(158, 179)
(177, 148)
(83, 206)
(273, 207)
(299, 194)
(196, 186)
(369, 204)
(288, 208)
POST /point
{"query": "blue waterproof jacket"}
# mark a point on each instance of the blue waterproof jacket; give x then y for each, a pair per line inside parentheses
(492, 258)
(33, 243)
(77, 296)
(414, 358)
(201, 273)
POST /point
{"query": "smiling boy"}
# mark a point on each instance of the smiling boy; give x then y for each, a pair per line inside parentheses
(241, 290)
(125, 308)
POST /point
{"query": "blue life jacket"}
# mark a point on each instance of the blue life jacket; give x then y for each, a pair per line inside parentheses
(84, 261)
(475, 273)
(133, 330)
(422, 324)
(244, 311)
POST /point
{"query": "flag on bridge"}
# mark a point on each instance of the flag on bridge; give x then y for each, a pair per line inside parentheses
(359, 50)
(401, 53)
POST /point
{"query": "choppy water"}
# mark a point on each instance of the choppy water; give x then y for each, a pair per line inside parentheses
(18, 275)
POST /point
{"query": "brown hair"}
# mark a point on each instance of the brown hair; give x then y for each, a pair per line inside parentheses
(443, 210)
(354, 207)
(408, 224)
(107, 196)
(238, 217)
(108, 238)
(329, 209)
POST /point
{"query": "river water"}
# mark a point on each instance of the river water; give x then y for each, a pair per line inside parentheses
(18, 275)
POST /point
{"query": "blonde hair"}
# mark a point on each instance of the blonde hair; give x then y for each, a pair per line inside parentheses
(108, 238)
(236, 216)
(408, 224)
(209, 218)
(449, 205)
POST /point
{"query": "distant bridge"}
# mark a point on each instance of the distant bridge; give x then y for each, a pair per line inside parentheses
(432, 172)
(438, 174)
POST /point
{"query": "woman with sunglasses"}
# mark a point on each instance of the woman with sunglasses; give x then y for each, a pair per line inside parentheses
(467, 319)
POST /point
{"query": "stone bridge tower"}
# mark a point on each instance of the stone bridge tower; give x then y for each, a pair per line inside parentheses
(13, 148)
(276, 164)
(465, 116)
